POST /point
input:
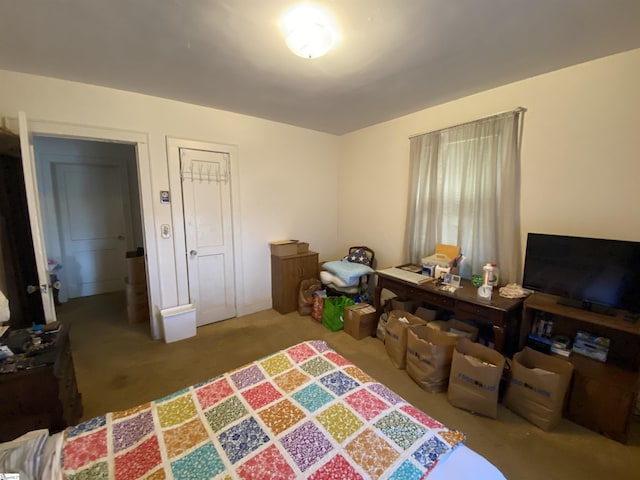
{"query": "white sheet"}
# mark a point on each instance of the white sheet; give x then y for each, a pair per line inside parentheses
(329, 278)
(24, 454)
(462, 464)
(465, 464)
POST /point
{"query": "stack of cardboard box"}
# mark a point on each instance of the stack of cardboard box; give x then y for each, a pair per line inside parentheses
(137, 297)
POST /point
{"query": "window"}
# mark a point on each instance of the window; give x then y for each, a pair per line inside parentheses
(465, 190)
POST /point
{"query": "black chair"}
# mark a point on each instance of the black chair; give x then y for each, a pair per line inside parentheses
(364, 281)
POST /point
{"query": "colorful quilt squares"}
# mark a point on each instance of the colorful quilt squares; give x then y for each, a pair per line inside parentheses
(303, 412)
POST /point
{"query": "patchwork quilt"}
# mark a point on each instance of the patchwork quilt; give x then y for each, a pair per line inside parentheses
(303, 412)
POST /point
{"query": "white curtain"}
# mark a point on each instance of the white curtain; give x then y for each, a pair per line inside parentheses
(465, 190)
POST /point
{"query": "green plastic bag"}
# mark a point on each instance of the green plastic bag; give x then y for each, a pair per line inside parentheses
(333, 311)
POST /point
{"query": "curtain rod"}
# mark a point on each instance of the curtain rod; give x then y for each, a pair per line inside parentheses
(518, 109)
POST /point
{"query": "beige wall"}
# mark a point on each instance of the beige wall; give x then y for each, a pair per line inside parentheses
(287, 185)
(580, 164)
(580, 157)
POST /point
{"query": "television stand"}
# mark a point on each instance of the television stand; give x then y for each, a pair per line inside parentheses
(588, 306)
(602, 395)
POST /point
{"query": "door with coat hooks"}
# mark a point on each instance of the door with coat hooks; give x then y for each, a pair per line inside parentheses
(206, 196)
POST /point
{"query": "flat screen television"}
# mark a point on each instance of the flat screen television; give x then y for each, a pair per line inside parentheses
(590, 273)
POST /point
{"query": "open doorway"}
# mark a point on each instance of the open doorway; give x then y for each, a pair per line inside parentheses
(90, 205)
(29, 130)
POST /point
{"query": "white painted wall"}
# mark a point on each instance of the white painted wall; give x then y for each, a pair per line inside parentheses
(580, 170)
(287, 174)
(580, 157)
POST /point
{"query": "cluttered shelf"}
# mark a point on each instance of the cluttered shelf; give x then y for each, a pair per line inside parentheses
(549, 303)
(37, 360)
(620, 338)
(605, 353)
(502, 313)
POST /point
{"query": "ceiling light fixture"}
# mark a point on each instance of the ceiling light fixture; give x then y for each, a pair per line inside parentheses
(310, 31)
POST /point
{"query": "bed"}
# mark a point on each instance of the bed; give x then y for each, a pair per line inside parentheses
(302, 412)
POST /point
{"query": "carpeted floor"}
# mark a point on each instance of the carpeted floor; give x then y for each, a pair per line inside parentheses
(119, 366)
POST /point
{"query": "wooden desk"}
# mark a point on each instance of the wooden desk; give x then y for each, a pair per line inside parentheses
(504, 314)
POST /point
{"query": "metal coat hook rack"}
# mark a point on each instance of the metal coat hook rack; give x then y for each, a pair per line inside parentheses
(204, 172)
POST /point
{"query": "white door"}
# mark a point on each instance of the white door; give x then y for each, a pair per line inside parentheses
(206, 197)
(35, 218)
(90, 203)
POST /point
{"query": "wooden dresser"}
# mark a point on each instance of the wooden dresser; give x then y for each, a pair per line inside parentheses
(286, 275)
(42, 392)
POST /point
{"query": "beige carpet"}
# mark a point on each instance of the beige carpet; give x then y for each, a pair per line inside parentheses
(118, 366)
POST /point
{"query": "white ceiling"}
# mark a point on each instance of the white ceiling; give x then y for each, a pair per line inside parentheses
(395, 56)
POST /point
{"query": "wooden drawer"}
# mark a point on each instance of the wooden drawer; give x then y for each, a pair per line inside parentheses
(469, 311)
(432, 298)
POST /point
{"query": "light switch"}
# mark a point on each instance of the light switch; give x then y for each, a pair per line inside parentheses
(165, 231)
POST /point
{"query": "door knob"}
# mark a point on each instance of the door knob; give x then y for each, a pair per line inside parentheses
(120, 237)
(193, 253)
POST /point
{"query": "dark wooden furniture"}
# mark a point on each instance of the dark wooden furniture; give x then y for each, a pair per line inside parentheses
(42, 396)
(504, 314)
(286, 275)
(602, 396)
(16, 244)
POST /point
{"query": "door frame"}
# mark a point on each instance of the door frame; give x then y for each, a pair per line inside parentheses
(143, 165)
(177, 214)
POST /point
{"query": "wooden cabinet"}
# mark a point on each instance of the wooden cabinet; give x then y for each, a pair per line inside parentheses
(42, 396)
(286, 275)
(603, 395)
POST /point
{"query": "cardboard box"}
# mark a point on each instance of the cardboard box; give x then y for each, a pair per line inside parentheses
(136, 293)
(395, 338)
(136, 269)
(303, 247)
(360, 320)
(284, 248)
(538, 387)
(456, 328)
(429, 354)
(138, 312)
(474, 382)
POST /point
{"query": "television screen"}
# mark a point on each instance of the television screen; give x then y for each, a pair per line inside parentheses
(586, 272)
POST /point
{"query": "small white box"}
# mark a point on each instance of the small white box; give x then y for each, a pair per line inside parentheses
(179, 322)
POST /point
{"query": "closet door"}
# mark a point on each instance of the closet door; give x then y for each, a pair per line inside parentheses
(206, 197)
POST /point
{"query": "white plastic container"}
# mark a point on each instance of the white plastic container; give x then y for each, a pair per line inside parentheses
(179, 322)
(490, 274)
